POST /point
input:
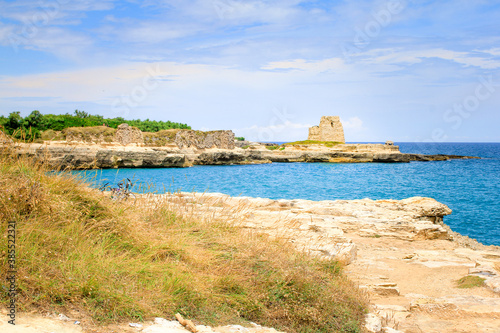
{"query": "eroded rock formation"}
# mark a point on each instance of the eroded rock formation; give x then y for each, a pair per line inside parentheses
(329, 129)
(126, 134)
(204, 140)
(81, 156)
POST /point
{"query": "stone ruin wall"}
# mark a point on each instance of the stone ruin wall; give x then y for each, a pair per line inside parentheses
(202, 140)
(329, 129)
(125, 135)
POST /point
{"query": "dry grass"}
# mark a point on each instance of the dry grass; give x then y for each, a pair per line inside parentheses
(95, 134)
(160, 138)
(51, 135)
(78, 249)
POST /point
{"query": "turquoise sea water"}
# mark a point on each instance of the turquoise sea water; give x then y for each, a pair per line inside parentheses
(471, 188)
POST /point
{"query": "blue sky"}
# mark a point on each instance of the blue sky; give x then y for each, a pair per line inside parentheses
(391, 69)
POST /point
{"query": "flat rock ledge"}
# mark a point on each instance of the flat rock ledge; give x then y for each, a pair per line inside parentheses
(399, 251)
(87, 156)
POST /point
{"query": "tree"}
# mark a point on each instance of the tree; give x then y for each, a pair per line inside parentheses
(35, 120)
(14, 121)
(81, 114)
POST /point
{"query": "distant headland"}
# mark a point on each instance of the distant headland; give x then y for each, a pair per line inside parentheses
(128, 147)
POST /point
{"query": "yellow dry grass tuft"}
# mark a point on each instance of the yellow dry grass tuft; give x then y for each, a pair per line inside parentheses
(76, 248)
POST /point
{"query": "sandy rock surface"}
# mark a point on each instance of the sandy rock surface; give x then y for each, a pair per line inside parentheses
(32, 323)
(399, 251)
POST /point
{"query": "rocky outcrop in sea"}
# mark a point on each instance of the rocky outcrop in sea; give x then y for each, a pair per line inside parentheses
(80, 155)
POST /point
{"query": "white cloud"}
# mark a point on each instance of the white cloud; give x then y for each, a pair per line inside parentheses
(46, 12)
(399, 56)
(236, 11)
(493, 51)
(353, 124)
(333, 64)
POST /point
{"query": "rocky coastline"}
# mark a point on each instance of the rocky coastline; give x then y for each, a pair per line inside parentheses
(128, 147)
(399, 251)
(81, 155)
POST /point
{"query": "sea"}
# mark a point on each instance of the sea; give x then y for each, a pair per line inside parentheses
(470, 187)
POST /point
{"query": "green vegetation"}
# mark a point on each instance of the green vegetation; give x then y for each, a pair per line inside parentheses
(77, 249)
(239, 138)
(32, 126)
(272, 147)
(312, 142)
(470, 281)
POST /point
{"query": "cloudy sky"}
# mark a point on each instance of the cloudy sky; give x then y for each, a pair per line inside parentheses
(392, 69)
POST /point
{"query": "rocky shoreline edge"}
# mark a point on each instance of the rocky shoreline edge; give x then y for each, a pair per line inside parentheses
(400, 251)
(89, 156)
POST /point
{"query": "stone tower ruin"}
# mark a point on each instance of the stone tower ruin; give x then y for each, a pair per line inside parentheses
(329, 129)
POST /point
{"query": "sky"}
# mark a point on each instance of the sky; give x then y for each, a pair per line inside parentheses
(401, 70)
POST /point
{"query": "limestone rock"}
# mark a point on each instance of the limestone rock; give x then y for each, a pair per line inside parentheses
(329, 129)
(373, 323)
(345, 252)
(126, 134)
(385, 289)
(204, 140)
(94, 148)
(162, 325)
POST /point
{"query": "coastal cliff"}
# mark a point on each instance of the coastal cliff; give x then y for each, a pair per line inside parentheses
(87, 156)
(128, 147)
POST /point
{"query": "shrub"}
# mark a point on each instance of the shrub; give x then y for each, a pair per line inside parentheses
(39, 122)
(470, 281)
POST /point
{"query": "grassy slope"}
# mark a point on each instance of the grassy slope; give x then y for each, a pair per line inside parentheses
(115, 261)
